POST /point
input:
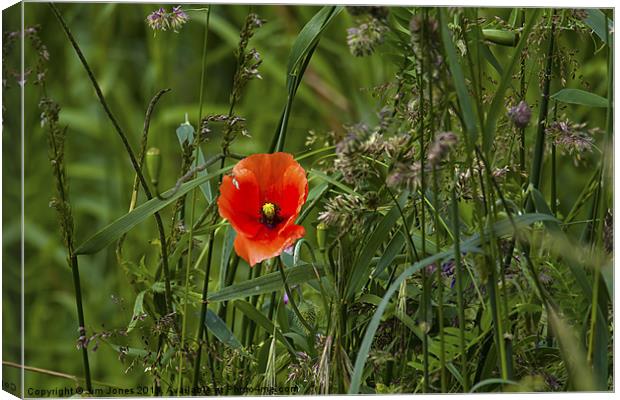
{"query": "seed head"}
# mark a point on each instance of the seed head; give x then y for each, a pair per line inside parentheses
(444, 141)
(363, 40)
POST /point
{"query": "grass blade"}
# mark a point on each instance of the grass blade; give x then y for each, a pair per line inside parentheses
(266, 283)
(581, 97)
(125, 223)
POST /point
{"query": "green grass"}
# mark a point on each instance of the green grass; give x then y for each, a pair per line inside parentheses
(475, 266)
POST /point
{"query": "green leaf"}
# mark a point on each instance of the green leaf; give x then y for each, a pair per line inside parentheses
(573, 354)
(333, 181)
(596, 21)
(266, 283)
(360, 272)
(581, 97)
(298, 60)
(185, 132)
(498, 103)
(393, 248)
(252, 313)
(138, 311)
(227, 248)
(309, 35)
(554, 229)
(219, 329)
(124, 224)
(492, 381)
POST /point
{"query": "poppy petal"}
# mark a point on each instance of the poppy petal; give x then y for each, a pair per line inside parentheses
(239, 202)
(255, 251)
(290, 192)
(269, 168)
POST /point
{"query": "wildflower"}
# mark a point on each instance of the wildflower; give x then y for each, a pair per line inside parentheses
(520, 114)
(442, 144)
(161, 20)
(178, 18)
(158, 20)
(261, 200)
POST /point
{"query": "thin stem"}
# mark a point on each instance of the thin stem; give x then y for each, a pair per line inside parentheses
(67, 230)
(80, 312)
(143, 146)
(535, 173)
(203, 64)
(554, 189)
(425, 288)
(459, 287)
(287, 289)
(205, 284)
(186, 300)
(442, 345)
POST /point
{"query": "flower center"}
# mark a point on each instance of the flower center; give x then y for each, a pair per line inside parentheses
(269, 215)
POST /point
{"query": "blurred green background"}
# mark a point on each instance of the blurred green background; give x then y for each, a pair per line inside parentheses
(131, 64)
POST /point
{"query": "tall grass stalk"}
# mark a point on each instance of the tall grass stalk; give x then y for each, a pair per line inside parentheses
(460, 302)
(205, 284)
(440, 305)
(426, 301)
(56, 140)
(539, 147)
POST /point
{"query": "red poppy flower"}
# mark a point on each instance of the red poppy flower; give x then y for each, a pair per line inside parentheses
(261, 200)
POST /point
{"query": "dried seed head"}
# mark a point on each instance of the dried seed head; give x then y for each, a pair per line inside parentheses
(571, 137)
(342, 211)
(444, 141)
(363, 40)
(406, 175)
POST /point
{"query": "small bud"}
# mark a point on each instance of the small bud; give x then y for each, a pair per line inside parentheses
(285, 298)
(321, 233)
(520, 114)
(153, 164)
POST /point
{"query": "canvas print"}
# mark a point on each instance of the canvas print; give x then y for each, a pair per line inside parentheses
(245, 199)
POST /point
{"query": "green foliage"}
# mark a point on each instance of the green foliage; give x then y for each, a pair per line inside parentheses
(439, 254)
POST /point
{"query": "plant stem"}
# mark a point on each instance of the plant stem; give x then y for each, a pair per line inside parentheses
(459, 287)
(536, 172)
(287, 289)
(442, 345)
